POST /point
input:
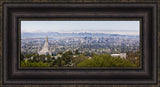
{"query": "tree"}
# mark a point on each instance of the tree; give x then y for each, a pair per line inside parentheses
(66, 59)
(79, 59)
(68, 53)
(134, 57)
(48, 58)
(76, 52)
(42, 57)
(58, 62)
(28, 55)
(36, 58)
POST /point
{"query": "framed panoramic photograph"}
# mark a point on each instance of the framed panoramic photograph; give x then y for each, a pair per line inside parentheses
(80, 43)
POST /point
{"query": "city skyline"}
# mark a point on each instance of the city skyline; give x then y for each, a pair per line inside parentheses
(108, 27)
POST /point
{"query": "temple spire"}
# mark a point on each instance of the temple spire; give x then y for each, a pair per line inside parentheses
(45, 49)
(46, 39)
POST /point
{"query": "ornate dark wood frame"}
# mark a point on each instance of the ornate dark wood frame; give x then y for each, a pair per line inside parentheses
(147, 74)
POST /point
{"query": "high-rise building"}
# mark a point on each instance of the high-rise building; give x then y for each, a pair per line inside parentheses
(45, 49)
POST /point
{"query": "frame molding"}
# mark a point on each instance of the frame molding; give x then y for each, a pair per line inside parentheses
(13, 75)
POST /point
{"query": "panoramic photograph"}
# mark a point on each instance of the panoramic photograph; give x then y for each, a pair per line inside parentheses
(80, 44)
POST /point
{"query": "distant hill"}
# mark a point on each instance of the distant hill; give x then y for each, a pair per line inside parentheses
(56, 34)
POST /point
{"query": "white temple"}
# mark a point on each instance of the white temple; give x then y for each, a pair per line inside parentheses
(45, 49)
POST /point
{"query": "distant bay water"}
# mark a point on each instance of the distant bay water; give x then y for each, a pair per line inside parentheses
(61, 35)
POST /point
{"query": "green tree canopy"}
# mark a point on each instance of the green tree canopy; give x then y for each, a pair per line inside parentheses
(106, 60)
(79, 59)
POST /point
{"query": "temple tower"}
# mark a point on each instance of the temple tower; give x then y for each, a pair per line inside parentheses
(45, 49)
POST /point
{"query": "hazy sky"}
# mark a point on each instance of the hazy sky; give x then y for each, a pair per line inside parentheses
(114, 27)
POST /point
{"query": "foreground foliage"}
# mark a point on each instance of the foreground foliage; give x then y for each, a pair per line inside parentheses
(34, 64)
(106, 60)
(68, 59)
